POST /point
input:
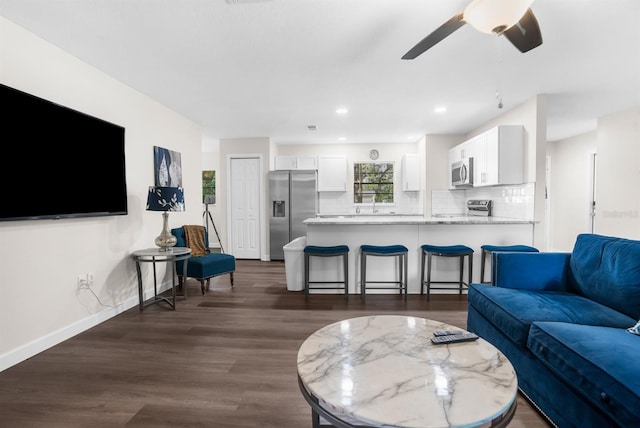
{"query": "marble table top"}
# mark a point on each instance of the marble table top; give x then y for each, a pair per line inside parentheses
(383, 371)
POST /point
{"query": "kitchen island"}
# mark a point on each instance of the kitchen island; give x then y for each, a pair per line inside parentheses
(411, 231)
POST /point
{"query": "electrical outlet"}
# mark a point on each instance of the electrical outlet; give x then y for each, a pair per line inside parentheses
(85, 280)
(82, 281)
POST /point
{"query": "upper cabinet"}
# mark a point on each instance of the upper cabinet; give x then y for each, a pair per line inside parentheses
(332, 174)
(498, 156)
(295, 162)
(411, 173)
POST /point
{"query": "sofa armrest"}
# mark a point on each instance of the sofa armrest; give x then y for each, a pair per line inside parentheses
(531, 271)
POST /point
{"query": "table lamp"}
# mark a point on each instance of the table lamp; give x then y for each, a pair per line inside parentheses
(165, 199)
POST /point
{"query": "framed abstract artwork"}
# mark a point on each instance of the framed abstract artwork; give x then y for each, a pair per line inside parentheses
(209, 187)
(167, 167)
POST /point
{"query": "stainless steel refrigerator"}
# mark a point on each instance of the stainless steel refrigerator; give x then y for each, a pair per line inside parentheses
(293, 198)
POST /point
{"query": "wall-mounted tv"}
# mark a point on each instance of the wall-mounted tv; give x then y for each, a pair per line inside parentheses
(58, 162)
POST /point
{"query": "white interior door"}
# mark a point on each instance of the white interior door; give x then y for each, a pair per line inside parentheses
(245, 207)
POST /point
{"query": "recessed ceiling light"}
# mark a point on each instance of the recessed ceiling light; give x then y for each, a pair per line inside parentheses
(342, 110)
(440, 109)
(342, 139)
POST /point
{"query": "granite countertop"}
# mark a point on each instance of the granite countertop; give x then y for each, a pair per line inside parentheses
(381, 219)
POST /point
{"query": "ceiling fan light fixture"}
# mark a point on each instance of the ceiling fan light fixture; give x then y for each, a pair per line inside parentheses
(495, 16)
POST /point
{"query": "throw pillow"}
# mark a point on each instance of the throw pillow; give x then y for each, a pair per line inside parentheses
(635, 329)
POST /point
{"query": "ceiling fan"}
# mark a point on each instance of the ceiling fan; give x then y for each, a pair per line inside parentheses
(510, 18)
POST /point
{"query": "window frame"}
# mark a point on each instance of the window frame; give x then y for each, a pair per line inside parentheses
(356, 183)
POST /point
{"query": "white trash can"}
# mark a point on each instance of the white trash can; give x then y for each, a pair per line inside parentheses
(294, 263)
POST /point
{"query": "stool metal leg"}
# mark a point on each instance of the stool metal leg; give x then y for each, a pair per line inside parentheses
(428, 276)
(470, 267)
(422, 273)
(461, 273)
(363, 275)
(400, 272)
(346, 276)
(406, 276)
(307, 260)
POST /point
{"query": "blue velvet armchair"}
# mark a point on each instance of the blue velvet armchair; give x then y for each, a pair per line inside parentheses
(206, 266)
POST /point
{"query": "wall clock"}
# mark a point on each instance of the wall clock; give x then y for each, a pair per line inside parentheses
(373, 154)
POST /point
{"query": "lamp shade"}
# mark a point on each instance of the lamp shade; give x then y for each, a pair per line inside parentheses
(165, 199)
(495, 16)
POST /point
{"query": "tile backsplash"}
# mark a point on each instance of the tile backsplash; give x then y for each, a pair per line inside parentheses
(515, 201)
(337, 203)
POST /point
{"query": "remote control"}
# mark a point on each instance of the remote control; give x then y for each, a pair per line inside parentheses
(454, 338)
(447, 332)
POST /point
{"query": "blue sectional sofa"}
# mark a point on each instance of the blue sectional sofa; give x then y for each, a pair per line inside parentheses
(562, 320)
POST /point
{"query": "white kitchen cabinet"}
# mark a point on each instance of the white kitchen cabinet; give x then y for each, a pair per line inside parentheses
(306, 162)
(295, 162)
(459, 152)
(411, 173)
(285, 162)
(332, 174)
(499, 157)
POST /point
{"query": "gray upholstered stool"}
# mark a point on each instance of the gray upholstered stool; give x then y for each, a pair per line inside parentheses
(333, 251)
(399, 251)
(489, 249)
(460, 251)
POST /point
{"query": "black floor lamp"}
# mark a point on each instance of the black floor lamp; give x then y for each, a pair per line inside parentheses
(206, 215)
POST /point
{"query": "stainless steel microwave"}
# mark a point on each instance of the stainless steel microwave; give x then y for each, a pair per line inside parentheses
(462, 173)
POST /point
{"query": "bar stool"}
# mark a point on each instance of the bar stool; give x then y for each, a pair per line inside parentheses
(399, 251)
(460, 251)
(333, 251)
(489, 249)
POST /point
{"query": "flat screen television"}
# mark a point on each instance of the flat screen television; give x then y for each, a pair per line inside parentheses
(58, 162)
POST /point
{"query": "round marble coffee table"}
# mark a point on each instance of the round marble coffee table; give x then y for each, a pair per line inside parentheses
(383, 371)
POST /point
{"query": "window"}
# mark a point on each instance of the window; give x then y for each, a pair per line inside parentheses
(373, 182)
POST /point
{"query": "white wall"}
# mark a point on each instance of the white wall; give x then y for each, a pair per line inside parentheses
(41, 304)
(569, 189)
(618, 175)
(617, 144)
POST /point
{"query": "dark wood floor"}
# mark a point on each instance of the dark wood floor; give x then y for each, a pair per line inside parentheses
(225, 359)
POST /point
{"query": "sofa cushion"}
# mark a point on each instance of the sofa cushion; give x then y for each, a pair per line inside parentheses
(513, 310)
(598, 361)
(607, 270)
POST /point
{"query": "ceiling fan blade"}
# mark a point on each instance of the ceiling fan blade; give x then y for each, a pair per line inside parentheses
(525, 34)
(438, 35)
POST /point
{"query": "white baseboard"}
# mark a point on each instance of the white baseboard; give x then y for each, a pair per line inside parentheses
(34, 347)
